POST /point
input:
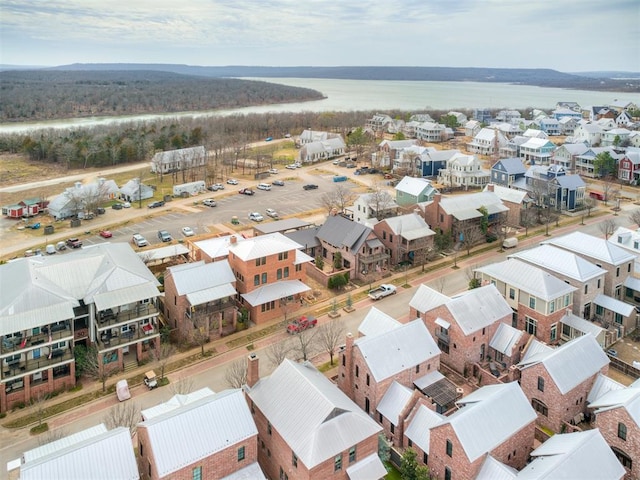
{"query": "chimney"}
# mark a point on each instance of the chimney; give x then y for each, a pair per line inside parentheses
(490, 187)
(253, 373)
(233, 240)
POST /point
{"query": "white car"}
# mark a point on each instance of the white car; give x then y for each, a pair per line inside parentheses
(264, 186)
(291, 166)
(297, 165)
(256, 217)
(209, 202)
(232, 181)
(188, 232)
(273, 171)
(271, 213)
(139, 240)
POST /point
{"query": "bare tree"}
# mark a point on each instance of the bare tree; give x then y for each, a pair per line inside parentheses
(339, 198)
(305, 343)
(607, 227)
(123, 414)
(182, 386)
(95, 368)
(277, 352)
(528, 218)
(161, 356)
(200, 332)
(51, 436)
(236, 373)
(589, 204)
(609, 188)
(471, 236)
(635, 216)
(380, 201)
(330, 335)
(440, 283)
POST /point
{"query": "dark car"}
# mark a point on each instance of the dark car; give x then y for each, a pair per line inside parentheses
(164, 236)
(278, 183)
(117, 206)
(156, 204)
(246, 191)
(74, 242)
(310, 186)
(100, 211)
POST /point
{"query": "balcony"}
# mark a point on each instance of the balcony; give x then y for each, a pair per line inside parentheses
(443, 336)
(60, 331)
(208, 309)
(109, 318)
(367, 259)
(22, 366)
(116, 337)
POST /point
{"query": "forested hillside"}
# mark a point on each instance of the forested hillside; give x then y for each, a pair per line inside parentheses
(51, 94)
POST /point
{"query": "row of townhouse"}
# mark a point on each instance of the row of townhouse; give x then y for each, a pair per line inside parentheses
(102, 296)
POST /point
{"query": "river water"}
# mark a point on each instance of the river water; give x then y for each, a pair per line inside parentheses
(381, 95)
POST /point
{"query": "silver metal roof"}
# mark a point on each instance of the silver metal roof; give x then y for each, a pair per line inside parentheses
(602, 385)
(393, 402)
(414, 186)
(419, 430)
(582, 325)
(275, 291)
(399, 349)
(250, 472)
(197, 430)
(107, 455)
(410, 226)
(492, 469)
(560, 261)
(302, 257)
(428, 379)
(134, 293)
(315, 419)
(613, 304)
(583, 455)
(211, 294)
(57, 445)
(377, 322)
(217, 247)
(505, 339)
(627, 398)
(198, 276)
(163, 252)
(174, 402)
(281, 225)
(426, 299)
(370, 467)
(263, 246)
(593, 247)
(478, 308)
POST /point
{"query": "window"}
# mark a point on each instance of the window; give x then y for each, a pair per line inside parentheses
(261, 261)
(141, 450)
(283, 255)
(392, 428)
(554, 332)
(418, 368)
(512, 293)
(531, 326)
(384, 235)
(337, 462)
(197, 473)
(286, 272)
(622, 431)
(279, 274)
(299, 267)
(552, 306)
(541, 384)
(256, 280)
(539, 406)
(390, 238)
(618, 318)
(618, 272)
(264, 277)
(357, 371)
(449, 448)
(447, 473)
(586, 289)
(294, 459)
(379, 417)
(599, 282)
(623, 458)
(269, 428)
(240, 454)
(425, 458)
(367, 404)
(532, 303)
(599, 310)
(566, 300)
(352, 454)
(368, 379)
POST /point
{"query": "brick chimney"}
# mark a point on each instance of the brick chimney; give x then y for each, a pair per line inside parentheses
(253, 370)
(345, 376)
(490, 187)
(233, 240)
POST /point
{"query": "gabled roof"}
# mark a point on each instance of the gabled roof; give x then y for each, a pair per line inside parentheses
(377, 322)
(426, 299)
(512, 166)
(175, 402)
(262, 246)
(582, 325)
(505, 194)
(419, 428)
(571, 363)
(275, 291)
(617, 306)
(315, 419)
(561, 262)
(489, 417)
(570, 182)
(590, 246)
(394, 401)
(601, 386)
(65, 442)
(198, 276)
(414, 186)
(574, 148)
(493, 469)
(527, 278)
(627, 398)
(396, 350)
(217, 247)
(342, 232)
(410, 226)
(181, 154)
(478, 308)
(506, 339)
(250, 472)
(464, 207)
(583, 455)
(197, 430)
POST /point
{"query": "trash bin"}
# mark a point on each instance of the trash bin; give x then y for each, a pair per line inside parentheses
(75, 222)
(48, 230)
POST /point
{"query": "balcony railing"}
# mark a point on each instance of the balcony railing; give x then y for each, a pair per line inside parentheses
(373, 258)
(203, 311)
(108, 318)
(109, 339)
(23, 366)
(18, 344)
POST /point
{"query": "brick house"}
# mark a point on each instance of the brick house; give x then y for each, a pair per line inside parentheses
(495, 420)
(270, 274)
(407, 238)
(103, 296)
(212, 437)
(212, 249)
(615, 260)
(628, 239)
(370, 364)
(308, 428)
(538, 299)
(506, 345)
(557, 381)
(514, 200)
(200, 296)
(464, 325)
(617, 417)
(629, 166)
(390, 150)
(376, 322)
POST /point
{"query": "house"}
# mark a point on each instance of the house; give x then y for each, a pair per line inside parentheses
(422, 161)
(572, 326)
(587, 278)
(617, 418)
(410, 191)
(461, 118)
(308, 428)
(407, 238)
(629, 166)
(390, 150)
(608, 122)
(610, 311)
(270, 274)
(379, 122)
(376, 322)
(615, 260)
(615, 137)
(103, 296)
(588, 133)
(463, 338)
(573, 106)
(629, 240)
(369, 208)
(566, 154)
(568, 125)
(506, 171)
(512, 147)
(573, 455)
(634, 139)
(322, 150)
(370, 365)
(482, 115)
(177, 160)
(506, 345)
(200, 299)
(175, 402)
(550, 126)
(514, 200)
(463, 171)
(538, 299)
(558, 380)
(537, 151)
(29, 207)
(487, 142)
(431, 132)
(550, 186)
(535, 133)
(584, 161)
(495, 420)
(135, 191)
(82, 198)
(566, 112)
(624, 119)
(213, 437)
(92, 454)
(212, 249)
(509, 116)
(472, 127)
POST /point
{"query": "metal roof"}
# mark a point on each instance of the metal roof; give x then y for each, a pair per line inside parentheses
(428, 379)
(512, 166)
(615, 305)
(573, 455)
(217, 247)
(281, 225)
(492, 469)
(593, 247)
(124, 296)
(410, 226)
(306, 237)
(627, 398)
(211, 294)
(505, 194)
(107, 455)
(376, 322)
(302, 257)
(394, 401)
(560, 261)
(443, 323)
(195, 431)
(505, 339)
(198, 276)
(414, 186)
(464, 205)
(439, 389)
(163, 252)
(174, 402)
(275, 291)
(582, 325)
(342, 232)
(262, 246)
(250, 472)
(602, 385)
(399, 349)
(478, 308)
(489, 417)
(311, 414)
(426, 299)
(419, 429)
(69, 440)
(367, 468)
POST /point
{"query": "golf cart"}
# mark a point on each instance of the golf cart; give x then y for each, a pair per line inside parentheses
(150, 379)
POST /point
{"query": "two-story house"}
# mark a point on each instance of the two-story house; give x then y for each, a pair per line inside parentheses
(588, 133)
(431, 132)
(629, 240)
(537, 151)
(514, 200)
(550, 126)
(487, 141)
(390, 150)
(506, 171)
(410, 191)
(629, 166)
(566, 154)
(463, 171)
(180, 159)
(407, 238)
(369, 208)
(614, 137)
(270, 274)
(308, 428)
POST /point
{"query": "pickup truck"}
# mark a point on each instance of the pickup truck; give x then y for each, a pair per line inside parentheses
(382, 291)
(301, 324)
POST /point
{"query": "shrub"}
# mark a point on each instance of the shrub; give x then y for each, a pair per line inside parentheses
(43, 427)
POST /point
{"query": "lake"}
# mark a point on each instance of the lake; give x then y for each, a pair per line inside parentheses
(381, 95)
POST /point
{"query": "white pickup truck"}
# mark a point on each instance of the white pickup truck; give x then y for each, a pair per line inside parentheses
(382, 291)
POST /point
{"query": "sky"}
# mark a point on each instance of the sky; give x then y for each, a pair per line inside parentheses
(565, 35)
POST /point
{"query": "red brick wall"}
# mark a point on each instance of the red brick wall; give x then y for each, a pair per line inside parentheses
(607, 422)
(543, 332)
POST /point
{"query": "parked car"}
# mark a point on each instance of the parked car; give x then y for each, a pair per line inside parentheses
(50, 249)
(268, 139)
(256, 217)
(215, 187)
(61, 246)
(74, 242)
(291, 166)
(232, 181)
(264, 186)
(209, 202)
(273, 171)
(271, 213)
(278, 183)
(122, 390)
(100, 211)
(382, 291)
(310, 186)
(105, 234)
(117, 206)
(246, 191)
(188, 232)
(301, 324)
(139, 241)
(164, 236)
(156, 204)
(126, 205)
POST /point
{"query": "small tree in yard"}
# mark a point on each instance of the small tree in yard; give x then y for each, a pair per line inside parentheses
(384, 449)
(607, 227)
(182, 386)
(409, 468)
(95, 367)
(635, 216)
(277, 352)
(304, 343)
(337, 261)
(161, 355)
(124, 414)
(319, 262)
(236, 373)
(330, 335)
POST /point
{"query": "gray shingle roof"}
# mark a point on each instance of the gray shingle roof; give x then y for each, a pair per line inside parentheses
(342, 232)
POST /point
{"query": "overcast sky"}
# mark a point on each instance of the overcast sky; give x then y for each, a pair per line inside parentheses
(565, 35)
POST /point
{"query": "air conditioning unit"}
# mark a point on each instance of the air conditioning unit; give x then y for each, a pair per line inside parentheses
(460, 390)
(37, 376)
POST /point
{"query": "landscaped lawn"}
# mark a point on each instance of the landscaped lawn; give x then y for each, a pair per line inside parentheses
(392, 474)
